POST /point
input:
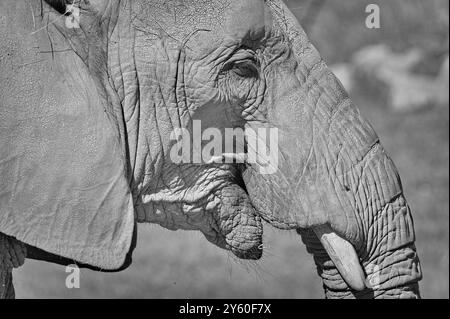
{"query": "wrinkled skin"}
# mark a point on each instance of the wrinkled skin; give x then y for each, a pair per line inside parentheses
(247, 64)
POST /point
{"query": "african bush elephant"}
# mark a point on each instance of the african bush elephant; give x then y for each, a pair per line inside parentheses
(92, 93)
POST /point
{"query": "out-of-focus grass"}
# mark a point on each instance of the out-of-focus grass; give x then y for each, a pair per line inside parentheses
(184, 265)
(339, 27)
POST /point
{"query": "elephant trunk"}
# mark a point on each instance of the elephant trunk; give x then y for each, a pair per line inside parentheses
(334, 173)
(368, 207)
(388, 257)
(393, 274)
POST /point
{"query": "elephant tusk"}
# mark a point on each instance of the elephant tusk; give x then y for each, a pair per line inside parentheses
(229, 157)
(343, 255)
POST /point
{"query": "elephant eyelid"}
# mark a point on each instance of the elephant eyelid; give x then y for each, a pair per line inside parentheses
(248, 69)
(244, 63)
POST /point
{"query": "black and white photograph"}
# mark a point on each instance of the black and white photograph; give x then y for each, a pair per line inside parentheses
(245, 151)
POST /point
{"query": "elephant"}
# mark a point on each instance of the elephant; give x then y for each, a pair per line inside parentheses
(93, 92)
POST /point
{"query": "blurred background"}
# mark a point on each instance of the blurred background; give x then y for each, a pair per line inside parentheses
(398, 75)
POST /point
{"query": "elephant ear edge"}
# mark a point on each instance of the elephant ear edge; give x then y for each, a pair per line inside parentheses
(63, 183)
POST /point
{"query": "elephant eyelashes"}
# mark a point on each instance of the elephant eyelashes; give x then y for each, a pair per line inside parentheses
(239, 76)
(246, 69)
(243, 63)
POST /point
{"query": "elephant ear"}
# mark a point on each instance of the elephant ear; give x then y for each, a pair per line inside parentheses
(63, 184)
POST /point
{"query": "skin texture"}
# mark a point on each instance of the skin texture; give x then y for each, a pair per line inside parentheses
(243, 64)
(12, 256)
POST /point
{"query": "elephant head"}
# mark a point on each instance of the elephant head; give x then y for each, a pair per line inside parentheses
(102, 94)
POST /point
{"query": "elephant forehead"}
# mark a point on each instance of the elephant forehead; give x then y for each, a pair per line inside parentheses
(182, 19)
(246, 18)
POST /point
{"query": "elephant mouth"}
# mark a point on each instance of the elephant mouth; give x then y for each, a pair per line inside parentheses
(245, 243)
(244, 238)
(247, 248)
(250, 249)
(254, 252)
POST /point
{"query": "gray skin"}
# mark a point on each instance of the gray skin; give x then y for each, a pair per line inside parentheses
(247, 64)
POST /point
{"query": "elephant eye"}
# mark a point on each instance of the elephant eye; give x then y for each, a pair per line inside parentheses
(243, 63)
(245, 68)
(239, 76)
